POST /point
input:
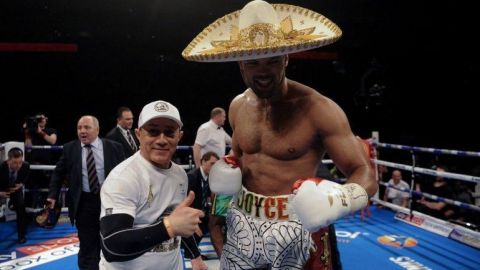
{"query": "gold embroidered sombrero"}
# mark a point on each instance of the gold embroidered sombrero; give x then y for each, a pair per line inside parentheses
(261, 30)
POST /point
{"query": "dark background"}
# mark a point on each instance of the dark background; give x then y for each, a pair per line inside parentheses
(129, 53)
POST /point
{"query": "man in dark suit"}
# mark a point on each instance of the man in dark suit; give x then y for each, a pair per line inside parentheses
(85, 163)
(198, 183)
(13, 174)
(123, 132)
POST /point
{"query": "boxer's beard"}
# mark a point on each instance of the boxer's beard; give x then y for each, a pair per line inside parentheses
(266, 87)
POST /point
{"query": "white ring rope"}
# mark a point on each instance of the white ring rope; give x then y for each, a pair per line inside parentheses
(52, 167)
(433, 197)
(457, 176)
(428, 150)
(58, 147)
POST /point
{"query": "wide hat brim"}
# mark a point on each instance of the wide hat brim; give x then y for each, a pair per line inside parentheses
(301, 29)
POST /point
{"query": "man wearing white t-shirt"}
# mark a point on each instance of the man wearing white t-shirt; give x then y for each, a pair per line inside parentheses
(145, 208)
(394, 195)
(211, 136)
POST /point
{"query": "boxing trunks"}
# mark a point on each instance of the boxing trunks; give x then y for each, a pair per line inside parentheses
(263, 233)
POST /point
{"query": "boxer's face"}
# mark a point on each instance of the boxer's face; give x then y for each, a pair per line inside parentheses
(264, 76)
(158, 141)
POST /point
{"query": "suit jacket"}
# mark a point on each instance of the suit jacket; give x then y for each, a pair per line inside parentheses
(195, 179)
(115, 134)
(69, 166)
(22, 175)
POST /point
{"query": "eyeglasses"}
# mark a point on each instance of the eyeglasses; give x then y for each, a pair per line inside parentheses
(155, 132)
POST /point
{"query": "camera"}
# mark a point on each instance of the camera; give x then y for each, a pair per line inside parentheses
(31, 123)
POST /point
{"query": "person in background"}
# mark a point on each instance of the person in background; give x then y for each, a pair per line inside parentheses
(395, 196)
(198, 183)
(123, 132)
(440, 188)
(85, 163)
(211, 136)
(14, 173)
(37, 133)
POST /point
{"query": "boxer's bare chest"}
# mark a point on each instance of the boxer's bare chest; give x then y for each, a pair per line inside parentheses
(284, 135)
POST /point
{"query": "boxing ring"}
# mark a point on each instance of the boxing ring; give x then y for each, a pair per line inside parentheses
(385, 236)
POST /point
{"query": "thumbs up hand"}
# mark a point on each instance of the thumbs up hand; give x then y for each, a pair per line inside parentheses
(184, 219)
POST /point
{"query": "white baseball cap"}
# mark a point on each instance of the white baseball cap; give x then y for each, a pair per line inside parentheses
(159, 109)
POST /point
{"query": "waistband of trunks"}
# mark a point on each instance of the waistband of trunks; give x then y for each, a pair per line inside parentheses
(268, 208)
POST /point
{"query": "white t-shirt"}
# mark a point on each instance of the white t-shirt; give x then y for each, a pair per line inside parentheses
(138, 188)
(396, 195)
(212, 138)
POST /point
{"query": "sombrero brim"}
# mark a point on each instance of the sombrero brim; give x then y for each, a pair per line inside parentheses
(203, 47)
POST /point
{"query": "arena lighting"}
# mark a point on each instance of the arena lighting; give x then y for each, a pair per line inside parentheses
(38, 47)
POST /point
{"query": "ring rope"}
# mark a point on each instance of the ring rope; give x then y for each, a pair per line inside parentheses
(52, 167)
(52, 147)
(60, 147)
(434, 197)
(428, 150)
(457, 176)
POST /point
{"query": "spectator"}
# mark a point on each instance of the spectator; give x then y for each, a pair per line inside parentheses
(85, 163)
(198, 183)
(434, 208)
(211, 136)
(123, 132)
(14, 173)
(392, 194)
(37, 133)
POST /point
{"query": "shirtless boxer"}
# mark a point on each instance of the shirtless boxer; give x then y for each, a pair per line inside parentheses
(281, 131)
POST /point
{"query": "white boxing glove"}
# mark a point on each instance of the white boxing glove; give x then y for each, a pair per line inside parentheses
(225, 176)
(319, 203)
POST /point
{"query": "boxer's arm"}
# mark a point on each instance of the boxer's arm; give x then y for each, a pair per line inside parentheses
(346, 151)
(121, 242)
(215, 224)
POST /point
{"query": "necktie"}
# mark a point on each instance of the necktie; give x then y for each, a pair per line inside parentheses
(205, 191)
(92, 171)
(131, 141)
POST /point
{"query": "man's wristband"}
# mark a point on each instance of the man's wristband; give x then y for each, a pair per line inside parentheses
(168, 227)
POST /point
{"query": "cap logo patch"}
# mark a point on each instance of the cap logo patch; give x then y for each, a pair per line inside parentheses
(161, 107)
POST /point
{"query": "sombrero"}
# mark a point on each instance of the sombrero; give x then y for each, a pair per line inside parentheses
(261, 30)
